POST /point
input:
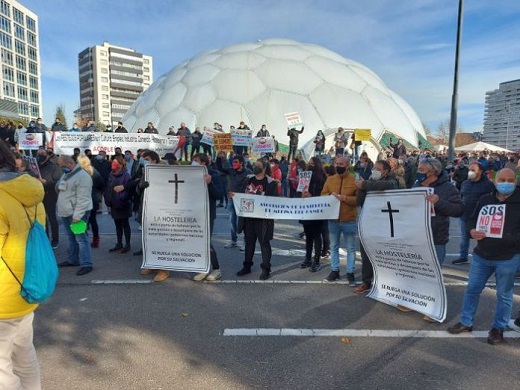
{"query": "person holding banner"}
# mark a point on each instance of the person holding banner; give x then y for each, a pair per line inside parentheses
(258, 229)
(313, 228)
(495, 225)
(214, 194)
(293, 135)
(342, 185)
(381, 179)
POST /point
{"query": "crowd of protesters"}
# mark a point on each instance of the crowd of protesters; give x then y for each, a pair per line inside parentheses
(345, 171)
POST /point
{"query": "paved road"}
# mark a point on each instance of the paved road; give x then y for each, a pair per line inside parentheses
(97, 334)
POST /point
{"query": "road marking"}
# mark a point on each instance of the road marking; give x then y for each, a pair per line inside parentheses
(129, 281)
(399, 333)
(339, 282)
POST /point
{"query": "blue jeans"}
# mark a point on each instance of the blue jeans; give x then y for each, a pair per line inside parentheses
(479, 273)
(79, 251)
(232, 219)
(441, 253)
(349, 230)
(464, 240)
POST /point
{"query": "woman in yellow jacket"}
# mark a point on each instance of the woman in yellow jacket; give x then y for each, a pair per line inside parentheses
(19, 367)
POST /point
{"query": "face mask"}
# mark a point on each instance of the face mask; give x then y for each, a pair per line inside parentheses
(341, 170)
(99, 157)
(115, 166)
(362, 165)
(257, 170)
(195, 164)
(236, 165)
(145, 163)
(376, 175)
(66, 170)
(400, 161)
(41, 159)
(128, 157)
(420, 177)
(472, 175)
(506, 188)
(141, 161)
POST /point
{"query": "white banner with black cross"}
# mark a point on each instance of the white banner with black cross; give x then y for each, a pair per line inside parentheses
(395, 230)
(176, 233)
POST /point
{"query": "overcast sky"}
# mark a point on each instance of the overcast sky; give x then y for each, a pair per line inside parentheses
(410, 44)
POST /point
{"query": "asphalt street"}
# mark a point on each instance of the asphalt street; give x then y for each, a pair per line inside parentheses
(116, 329)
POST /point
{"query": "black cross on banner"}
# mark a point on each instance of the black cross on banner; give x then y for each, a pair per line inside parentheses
(390, 215)
(176, 182)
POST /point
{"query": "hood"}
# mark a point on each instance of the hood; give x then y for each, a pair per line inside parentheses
(443, 177)
(24, 188)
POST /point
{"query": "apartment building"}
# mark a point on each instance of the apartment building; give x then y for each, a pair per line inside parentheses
(111, 78)
(20, 92)
(502, 116)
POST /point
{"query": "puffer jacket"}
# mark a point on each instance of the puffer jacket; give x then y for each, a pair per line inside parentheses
(343, 184)
(471, 191)
(76, 197)
(16, 190)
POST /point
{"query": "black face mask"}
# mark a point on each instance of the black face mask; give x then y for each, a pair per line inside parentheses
(257, 170)
(42, 159)
(341, 170)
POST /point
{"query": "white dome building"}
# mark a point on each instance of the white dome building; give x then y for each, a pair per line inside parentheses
(260, 82)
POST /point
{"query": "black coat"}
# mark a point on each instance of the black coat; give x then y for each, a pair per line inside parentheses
(471, 191)
(449, 205)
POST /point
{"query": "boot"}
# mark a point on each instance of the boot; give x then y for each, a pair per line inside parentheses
(126, 249)
(95, 242)
(315, 267)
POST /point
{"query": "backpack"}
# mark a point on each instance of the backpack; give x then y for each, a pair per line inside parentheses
(41, 270)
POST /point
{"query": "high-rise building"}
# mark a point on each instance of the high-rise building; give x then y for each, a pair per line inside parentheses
(20, 93)
(502, 116)
(110, 80)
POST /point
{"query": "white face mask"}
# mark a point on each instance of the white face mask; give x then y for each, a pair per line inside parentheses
(195, 164)
(376, 175)
(472, 175)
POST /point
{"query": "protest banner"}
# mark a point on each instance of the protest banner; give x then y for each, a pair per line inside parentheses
(241, 137)
(32, 164)
(207, 137)
(491, 220)
(176, 219)
(293, 119)
(362, 134)
(262, 145)
(65, 142)
(304, 181)
(30, 141)
(222, 142)
(272, 207)
(395, 230)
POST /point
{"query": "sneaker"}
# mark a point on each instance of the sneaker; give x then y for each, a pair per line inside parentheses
(460, 261)
(220, 205)
(55, 244)
(242, 248)
(515, 324)
(362, 288)
(244, 271)
(333, 276)
(351, 279)
(146, 271)
(214, 275)
(325, 255)
(306, 264)
(315, 267)
(84, 271)
(403, 309)
(458, 328)
(67, 264)
(496, 336)
(265, 274)
(200, 277)
(161, 276)
(231, 244)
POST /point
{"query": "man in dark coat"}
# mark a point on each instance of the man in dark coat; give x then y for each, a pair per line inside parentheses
(293, 135)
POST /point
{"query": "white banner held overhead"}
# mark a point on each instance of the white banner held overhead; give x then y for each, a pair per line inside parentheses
(395, 231)
(272, 207)
(176, 219)
(66, 141)
(30, 141)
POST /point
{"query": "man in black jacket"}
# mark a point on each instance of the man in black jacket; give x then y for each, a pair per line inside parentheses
(472, 189)
(445, 200)
(497, 251)
(293, 135)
